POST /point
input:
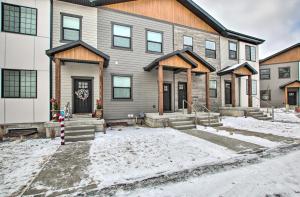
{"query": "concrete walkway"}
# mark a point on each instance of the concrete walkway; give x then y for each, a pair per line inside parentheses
(233, 144)
(64, 172)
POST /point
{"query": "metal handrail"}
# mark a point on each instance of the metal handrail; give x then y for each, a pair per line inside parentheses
(269, 105)
(195, 110)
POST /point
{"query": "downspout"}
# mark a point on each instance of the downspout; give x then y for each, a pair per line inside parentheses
(50, 60)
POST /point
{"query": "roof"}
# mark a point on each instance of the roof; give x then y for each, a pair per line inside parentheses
(280, 52)
(53, 51)
(178, 53)
(194, 8)
(230, 69)
(288, 83)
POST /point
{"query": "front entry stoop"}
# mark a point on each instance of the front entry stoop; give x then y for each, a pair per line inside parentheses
(182, 123)
(259, 115)
(79, 133)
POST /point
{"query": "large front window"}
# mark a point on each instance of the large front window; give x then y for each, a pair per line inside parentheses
(19, 83)
(121, 36)
(154, 42)
(254, 87)
(122, 87)
(210, 49)
(71, 27)
(19, 19)
(250, 53)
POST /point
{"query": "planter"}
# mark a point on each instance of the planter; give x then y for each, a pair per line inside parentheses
(99, 113)
(297, 109)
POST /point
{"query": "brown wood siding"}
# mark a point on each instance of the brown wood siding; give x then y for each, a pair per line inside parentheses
(165, 10)
(243, 71)
(79, 53)
(175, 62)
(200, 67)
(292, 55)
(294, 85)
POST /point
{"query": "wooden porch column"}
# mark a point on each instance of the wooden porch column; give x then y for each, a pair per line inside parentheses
(58, 81)
(286, 96)
(233, 77)
(189, 90)
(250, 104)
(160, 90)
(101, 88)
(207, 91)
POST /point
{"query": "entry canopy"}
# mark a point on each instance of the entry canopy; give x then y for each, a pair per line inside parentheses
(243, 69)
(291, 84)
(78, 51)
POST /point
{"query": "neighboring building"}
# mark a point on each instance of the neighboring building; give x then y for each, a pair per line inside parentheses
(280, 77)
(138, 65)
(24, 66)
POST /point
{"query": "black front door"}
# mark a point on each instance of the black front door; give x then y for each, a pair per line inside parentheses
(292, 98)
(182, 94)
(228, 93)
(167, 97)
(82, 95)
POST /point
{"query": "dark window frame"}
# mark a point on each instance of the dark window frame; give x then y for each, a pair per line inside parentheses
(186, 45)
(19, 70)
(251, 55)
(162, 41)
(62, 14)
(113, 88)
(229, 50)
(213, 89)
(284, 77)
(253, 80)
(130, 48)
(210, 50)
(19, 32)
(269, 94)
(260, 74)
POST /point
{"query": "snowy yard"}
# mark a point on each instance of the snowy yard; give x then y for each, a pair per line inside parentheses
(282, 115)
(276, 177)
(275, 128)
(20, 161)
(135, 154)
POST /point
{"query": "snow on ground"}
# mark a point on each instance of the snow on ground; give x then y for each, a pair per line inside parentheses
(282, 115)
(20, 161)
(251, 124)
(135, 154)
(251, 139)
(276, 176)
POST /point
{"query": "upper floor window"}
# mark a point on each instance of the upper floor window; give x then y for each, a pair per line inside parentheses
(213, 88)
(210, 49)
(254, 87)
(154, 41)
(121, 36)
(265, 73)
(232, 50)
(19, 83)
(122, 87)
(188, 42)
(71, 27)
(19, 19)
(250, 53)
(284, 72)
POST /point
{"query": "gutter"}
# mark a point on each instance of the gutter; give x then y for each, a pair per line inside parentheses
(50, 59)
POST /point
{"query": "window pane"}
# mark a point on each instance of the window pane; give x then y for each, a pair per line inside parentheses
(248, 53)
(121, 42)
(284, 72)
(232, 46)
(254, 87)
(253, 54)
(71, 34)
(28, 84)
(188, 40)
(210, 45)
(28, 21)
(210, 53)
(213, 93)
(122, 30)
(122, 81)
(213, 84)
(154, 36)
(264, 73)
(154, 47)
(10, 83)
(11, 18)
(122, 93)
(71, 22)
(232, 54)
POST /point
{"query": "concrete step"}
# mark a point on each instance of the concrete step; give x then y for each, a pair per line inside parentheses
(179, 123)
(206, 117)
(79, 138)
(185, 127)
(214, 124)
(207, 121)
(254, 113)
(80, 132)
(179, 119)
(264, 118)
(81, 127)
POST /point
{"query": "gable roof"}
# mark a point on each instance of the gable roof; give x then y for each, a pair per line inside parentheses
(65, 47)
(194, 8)
(289, 83)
(230, 69)
(279, 53)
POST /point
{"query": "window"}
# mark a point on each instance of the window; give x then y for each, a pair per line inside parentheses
(232, 50)
(19, 83)
(213, 88)
(265, 95)
(254, 87)
(210, 49)
(154, 41)
(187, 42)
(71, 27)
(250, 53)
(19, 19)
(284, 72)
(121, 36)
(122, 87)
(265, 74)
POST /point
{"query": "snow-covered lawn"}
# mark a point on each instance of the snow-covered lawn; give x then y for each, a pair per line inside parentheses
(135, 154)
(20, 161)
(279, 176)
(282, 115)
(275, 128)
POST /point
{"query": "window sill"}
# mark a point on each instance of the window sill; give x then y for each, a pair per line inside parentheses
(121, 100)
(154, 53)
(122, 48)
(18, 33)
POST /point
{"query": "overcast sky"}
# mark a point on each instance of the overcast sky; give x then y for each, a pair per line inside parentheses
(276, 21)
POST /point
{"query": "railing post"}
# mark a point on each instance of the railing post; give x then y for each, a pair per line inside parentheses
(183, 106)
(273, 114)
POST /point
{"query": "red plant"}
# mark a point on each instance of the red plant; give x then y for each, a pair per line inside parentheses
(54, 103)
(99, 103)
